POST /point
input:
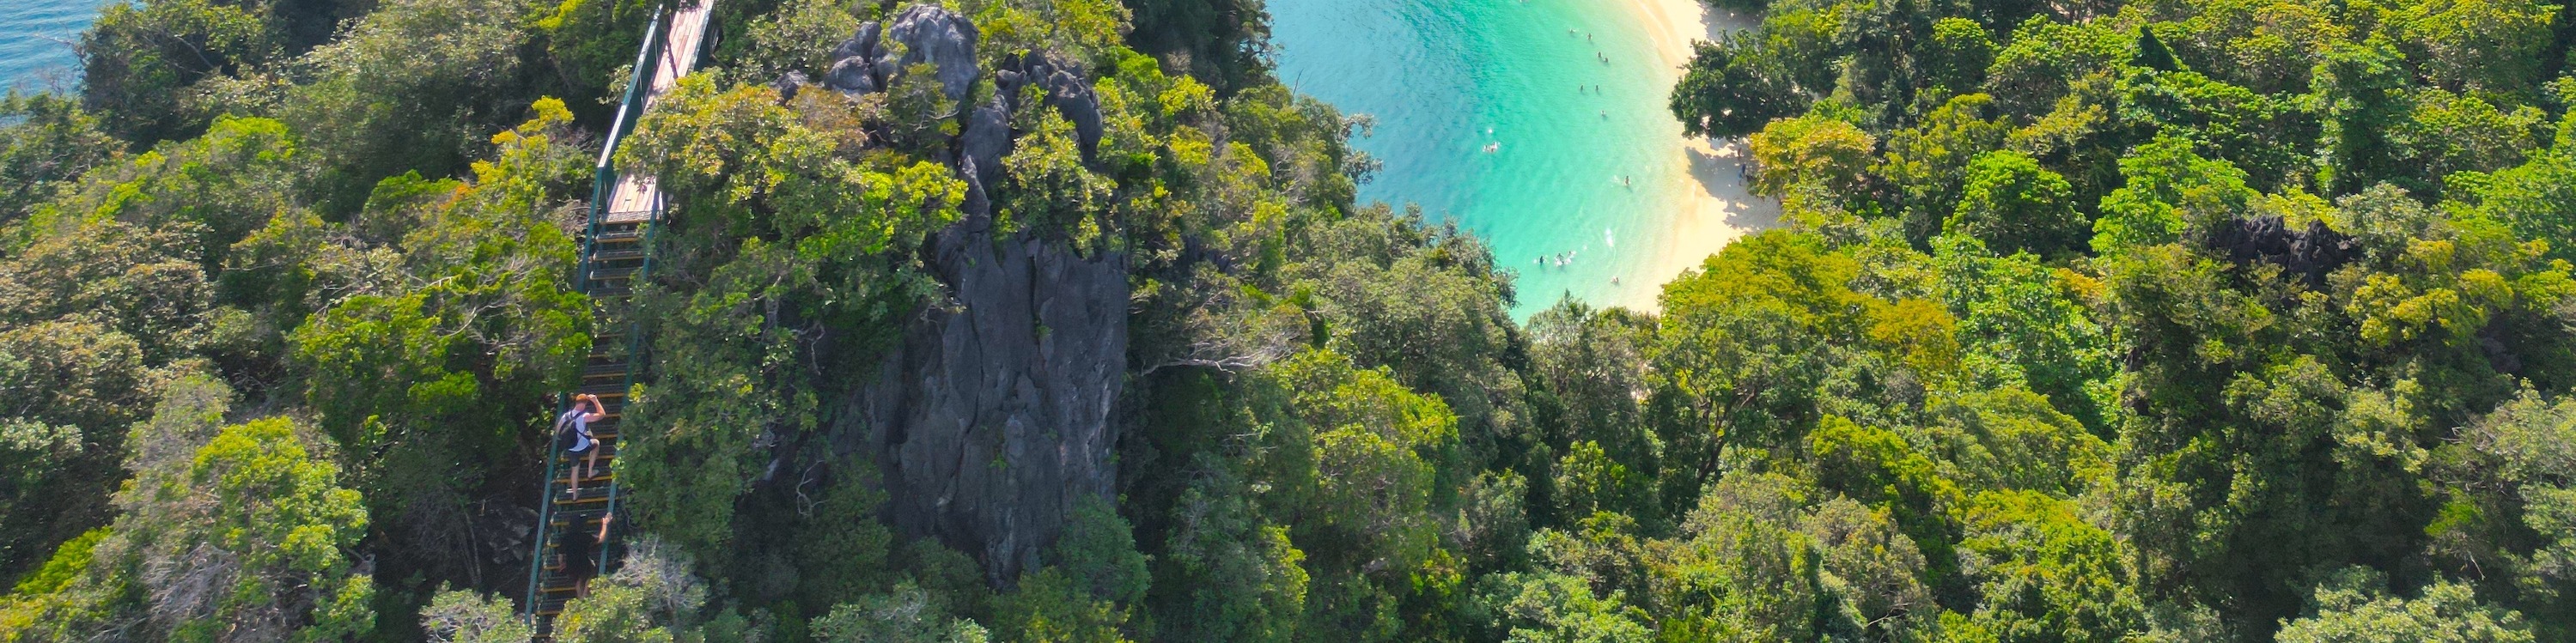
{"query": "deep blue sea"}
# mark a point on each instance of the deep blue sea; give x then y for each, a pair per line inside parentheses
(36, 38)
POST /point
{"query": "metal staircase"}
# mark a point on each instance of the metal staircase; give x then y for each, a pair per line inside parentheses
(614, 256)
(616, 251)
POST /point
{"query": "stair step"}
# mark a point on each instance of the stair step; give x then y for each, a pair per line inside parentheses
(606, 457)
(589, 520)
(619, 252)
(613, 406)
(588, 497)
(606, 460)
(606, 464)
(614, 274)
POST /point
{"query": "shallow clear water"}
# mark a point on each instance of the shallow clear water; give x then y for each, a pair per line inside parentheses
(36, 39)
(1486, 113)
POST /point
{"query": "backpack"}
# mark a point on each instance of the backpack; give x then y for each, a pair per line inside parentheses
(568, 430)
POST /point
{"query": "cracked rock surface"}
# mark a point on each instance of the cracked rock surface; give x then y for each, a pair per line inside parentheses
(991, 416)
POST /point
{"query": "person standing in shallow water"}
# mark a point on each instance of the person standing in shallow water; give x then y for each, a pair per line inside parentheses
(580, 550)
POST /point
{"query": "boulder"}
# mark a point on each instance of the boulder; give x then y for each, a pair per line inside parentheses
(1059, 88)
(986, 140)
(853, 68)
(851, 76)
(1074, 100)
(2311, 253)
(789, 83)
(862, 44)
(935, 35)
(979, 203)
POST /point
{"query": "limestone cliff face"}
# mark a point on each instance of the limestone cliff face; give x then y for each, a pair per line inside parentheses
(992, 416)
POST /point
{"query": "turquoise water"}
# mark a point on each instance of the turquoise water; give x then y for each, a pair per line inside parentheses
(1446, 79)
(36, 39)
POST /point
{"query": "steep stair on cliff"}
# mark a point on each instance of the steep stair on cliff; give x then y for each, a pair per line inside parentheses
(616, 251)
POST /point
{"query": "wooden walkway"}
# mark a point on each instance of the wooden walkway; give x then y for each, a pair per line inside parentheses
(636, 198)
(616, 251)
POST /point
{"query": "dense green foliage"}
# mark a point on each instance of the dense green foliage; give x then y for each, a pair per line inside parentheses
(2314, 233)
(2095, 321)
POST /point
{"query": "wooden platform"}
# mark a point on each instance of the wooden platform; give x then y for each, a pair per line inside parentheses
(637, 198)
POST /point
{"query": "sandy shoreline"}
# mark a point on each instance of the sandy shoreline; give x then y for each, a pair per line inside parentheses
(1713, 208)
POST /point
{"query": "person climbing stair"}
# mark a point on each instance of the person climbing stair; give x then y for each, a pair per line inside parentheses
(580, 549)
(572, 434)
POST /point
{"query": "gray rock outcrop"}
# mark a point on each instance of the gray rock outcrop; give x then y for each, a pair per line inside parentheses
(993, 415)
(790, 83)
(864, 63)
(860, 45)
(935, 35)
(852, 75)
(2312, 253)
(986, 139)
(1060, 88)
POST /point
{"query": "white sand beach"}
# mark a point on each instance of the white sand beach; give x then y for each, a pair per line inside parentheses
(1715, 208)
